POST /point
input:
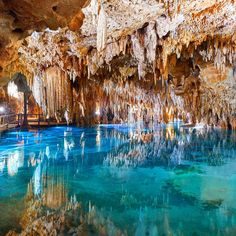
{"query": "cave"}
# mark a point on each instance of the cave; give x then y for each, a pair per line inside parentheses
(117, 117)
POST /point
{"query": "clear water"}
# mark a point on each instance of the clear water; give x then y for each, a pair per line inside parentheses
(158, 181)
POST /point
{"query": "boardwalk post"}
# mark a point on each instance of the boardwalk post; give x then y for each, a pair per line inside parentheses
(25, 121)
(39, 120)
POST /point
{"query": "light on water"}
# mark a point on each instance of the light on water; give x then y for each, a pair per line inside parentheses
(145, 181)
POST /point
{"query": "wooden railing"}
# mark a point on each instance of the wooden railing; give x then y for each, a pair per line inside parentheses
(34, 119)
(8, 119)
(38, 120)
(14, 120)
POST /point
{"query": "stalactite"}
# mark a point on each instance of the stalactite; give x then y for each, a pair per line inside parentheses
(138, 51)
(101, 29)
(151, 45)
(107, 68)
(38, 93)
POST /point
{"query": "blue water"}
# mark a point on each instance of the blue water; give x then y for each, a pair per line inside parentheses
(147, 181)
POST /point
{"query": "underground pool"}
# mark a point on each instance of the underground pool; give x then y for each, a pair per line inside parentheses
(119, 180)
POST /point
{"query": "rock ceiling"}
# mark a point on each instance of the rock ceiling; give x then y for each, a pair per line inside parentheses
(167, 56)
(19, 18)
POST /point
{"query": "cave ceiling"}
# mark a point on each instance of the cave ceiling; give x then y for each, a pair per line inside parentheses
(186, 48)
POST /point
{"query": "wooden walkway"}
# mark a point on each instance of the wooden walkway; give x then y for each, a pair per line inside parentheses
(8, 122)
(39, 120)
(34, 120)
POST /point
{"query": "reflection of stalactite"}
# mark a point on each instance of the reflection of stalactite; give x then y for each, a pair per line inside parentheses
(103, 225)
(15, 161)
(167, 148)
(54, 188)
(55, 195)
(44, 220)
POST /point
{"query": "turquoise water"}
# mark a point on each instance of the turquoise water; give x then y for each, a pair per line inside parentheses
(147, 181)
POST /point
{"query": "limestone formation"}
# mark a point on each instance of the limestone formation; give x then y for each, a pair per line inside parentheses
(124, 61)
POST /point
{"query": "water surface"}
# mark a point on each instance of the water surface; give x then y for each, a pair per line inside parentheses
(146, 181)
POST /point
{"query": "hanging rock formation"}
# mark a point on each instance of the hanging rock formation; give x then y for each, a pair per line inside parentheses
(127, 61)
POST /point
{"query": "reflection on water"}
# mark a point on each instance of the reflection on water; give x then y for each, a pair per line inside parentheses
(15, 160)
(127, 179)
